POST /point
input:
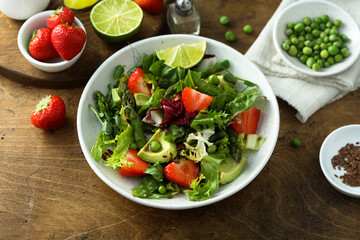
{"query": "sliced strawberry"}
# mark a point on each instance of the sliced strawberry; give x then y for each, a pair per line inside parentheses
(136, 169)
(182, 172)
(177, 96)
(194, 100)
(247, 121)
(137, 84)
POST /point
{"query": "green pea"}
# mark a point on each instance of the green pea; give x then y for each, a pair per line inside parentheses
(324, 54)
(133, 145)
(224, 20)
(326, 64)
(316, 66)
(323, 46)
(333, 38)
(289, 32)
(337, 44)
(293, 51)
(212, 148)
(316, 33)
(299, 27)
(294, 41)
(309, 37)
(333, 50)
(230, 36)
(292, 36)
(316, 57)
(285, 46)
(322, 26)
(334, 31)
(247, 29)
(317, 47)
(323, 35)
(337, 22)
(291, 25)
(307, 51)
(329, 24)
(308, 43)
(307, 21)
(325, 18)
(310, 61)
(317, 20)
(303, 58)
(338, 58)
(299, 54)
(300, 45)
(331, 60)
(344, 37)
(214, 80)
(308, 29)
(155, 146)
(344, 52)
(320, 62)
(296, 142)
(162, 189)
(287, 41)
(314, 25)
(319, 40)
(326, 39)
(301, 38)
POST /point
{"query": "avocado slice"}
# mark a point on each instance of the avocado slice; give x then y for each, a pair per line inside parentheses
(167, 151)
(231, 170)
(115, 96)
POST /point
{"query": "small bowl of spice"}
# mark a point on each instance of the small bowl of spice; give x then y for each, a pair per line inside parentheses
(340, 159)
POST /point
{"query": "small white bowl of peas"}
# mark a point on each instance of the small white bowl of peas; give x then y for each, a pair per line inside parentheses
(317, 38)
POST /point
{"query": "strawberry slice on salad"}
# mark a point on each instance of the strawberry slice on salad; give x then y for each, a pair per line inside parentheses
(246, 122)
(182, 172)
(137, 168)
(137, 84)
(194, 100)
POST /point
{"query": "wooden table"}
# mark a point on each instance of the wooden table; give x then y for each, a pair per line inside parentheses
(48, 191)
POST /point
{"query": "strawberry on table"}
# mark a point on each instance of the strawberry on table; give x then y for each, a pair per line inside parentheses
(246, 122)
(49, 113)
(137, 168)
(40, 46)
(59, 16)
(137, 84)
(182, 172)
(194, 100)
(67, 40)
(151, 6)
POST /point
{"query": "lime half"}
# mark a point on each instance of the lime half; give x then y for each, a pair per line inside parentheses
(184, 55)
(79, 4)
(116, 20)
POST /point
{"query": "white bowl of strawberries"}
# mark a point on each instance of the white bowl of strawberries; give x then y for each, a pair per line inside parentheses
(52, 41)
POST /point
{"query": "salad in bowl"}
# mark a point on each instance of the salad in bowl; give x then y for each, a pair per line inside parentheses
(178, 125)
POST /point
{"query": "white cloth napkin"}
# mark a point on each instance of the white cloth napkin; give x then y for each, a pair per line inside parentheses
(305, 93)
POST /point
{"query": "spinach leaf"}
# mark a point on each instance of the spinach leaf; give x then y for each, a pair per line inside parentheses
(242, 102)
(156, 170)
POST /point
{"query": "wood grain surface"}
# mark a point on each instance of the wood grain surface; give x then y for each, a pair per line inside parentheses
(48, 191)
(17, 68)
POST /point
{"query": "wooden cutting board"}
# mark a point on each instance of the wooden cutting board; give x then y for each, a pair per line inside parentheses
(14, 66)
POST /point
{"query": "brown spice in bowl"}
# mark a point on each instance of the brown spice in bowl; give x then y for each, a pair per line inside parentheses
(348, 159)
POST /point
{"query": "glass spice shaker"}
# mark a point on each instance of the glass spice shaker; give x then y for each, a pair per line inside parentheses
(183, 17)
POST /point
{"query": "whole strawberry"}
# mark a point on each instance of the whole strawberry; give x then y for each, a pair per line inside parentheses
(59, 16)
(68, 40)
(151, 6)
(40, 46)
(49, 113)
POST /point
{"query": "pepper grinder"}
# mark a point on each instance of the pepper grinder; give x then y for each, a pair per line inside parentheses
(183, 17)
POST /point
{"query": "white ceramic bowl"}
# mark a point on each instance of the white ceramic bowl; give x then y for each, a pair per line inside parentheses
(330, 147)
(316, 8)
(24, 36)
(88, 126)
(22, 9)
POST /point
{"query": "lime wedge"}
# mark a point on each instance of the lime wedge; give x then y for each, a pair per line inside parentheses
(184, 55)
(79, 4)
(116, 20)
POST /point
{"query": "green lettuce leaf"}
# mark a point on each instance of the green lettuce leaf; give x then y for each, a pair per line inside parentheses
(156, 170)
(153, 102)
(242, 102)
(148, 188)
(209, 120)
(99, 147)
(123, 141)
